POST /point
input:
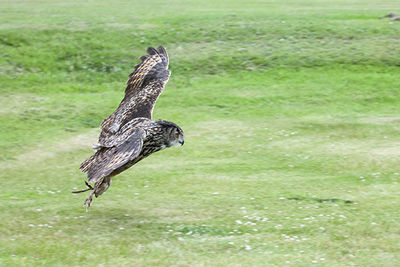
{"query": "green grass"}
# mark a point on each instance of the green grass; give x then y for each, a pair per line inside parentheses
(291, 113)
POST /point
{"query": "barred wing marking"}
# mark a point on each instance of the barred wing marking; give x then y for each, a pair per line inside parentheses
(155, 57)
(106, 160)
(144, 86)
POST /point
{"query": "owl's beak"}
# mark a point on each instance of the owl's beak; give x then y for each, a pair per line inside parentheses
(181, 142)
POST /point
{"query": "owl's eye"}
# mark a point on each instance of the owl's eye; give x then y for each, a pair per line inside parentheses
(177, 135)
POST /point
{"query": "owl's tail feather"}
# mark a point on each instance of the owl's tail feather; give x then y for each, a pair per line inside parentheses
(86, 164)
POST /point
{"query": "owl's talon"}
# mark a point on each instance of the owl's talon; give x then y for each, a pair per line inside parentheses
(88, 201)
(84, 190)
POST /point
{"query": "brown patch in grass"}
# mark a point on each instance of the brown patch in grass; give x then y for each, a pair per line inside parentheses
(44, 151)
(381, 120)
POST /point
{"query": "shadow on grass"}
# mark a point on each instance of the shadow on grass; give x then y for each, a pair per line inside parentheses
(321, 200)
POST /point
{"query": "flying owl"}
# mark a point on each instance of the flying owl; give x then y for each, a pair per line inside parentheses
(129, 134)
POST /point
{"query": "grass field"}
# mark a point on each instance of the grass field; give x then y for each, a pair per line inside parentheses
(291, 113)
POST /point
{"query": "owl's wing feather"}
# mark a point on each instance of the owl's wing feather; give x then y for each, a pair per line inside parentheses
(155, 61)
(144, 86)
(108, 159)
(121, 135)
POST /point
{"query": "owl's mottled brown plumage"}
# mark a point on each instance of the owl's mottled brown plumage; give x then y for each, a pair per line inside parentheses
(128, 135)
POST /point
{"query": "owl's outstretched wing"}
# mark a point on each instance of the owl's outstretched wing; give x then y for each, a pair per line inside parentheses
(144, 86)
(108, 159)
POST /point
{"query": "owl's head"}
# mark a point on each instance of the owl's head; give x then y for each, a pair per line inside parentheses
(172, 132)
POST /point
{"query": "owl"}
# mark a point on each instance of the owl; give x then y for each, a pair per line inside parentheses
(129, 134)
